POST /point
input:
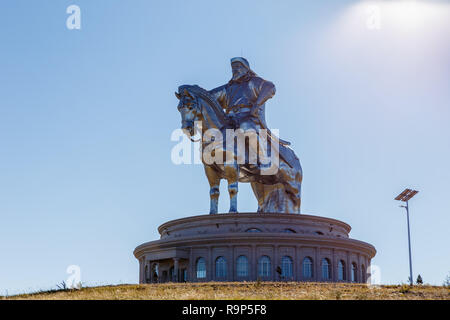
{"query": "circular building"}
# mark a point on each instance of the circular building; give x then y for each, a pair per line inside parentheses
(251, 246)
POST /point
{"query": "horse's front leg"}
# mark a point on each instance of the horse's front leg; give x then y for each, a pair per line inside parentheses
(232, 175)
(214, 191)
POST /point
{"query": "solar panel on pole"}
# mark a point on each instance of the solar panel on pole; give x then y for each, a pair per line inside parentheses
(405, 196)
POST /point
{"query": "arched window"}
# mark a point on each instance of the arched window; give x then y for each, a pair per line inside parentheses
(253, 230)
(201, 268)
(363, 273)
(307, 268)
(326, 269)
(354, 272)
(286, 267)
(155, 269)
(264, 267)
(341, 271)
(221, 267)
(154, 273)
(242, 266)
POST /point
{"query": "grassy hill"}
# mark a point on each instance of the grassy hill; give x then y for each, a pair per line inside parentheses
(246, 290)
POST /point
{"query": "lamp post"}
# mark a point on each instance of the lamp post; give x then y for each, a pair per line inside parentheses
(405, 196)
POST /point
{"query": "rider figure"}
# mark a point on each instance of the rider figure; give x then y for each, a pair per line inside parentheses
(243, 98)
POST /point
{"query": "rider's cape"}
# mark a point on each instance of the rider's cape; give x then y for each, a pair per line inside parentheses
(286, 153)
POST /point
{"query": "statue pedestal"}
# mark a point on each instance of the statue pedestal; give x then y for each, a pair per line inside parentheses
(252, 246)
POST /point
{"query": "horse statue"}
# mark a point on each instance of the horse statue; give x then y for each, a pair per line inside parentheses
(277, 191)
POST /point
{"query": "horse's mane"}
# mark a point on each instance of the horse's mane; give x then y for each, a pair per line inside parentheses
(208, 98)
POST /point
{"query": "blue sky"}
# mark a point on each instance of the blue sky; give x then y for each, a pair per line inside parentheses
(86, 118)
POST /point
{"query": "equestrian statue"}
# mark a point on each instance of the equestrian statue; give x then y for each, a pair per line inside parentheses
(236, 143)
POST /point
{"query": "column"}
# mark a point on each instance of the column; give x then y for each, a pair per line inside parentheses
(141, 270)
(297, 264)
(349, 268)
(147, 276)
(316, 265)
(209, 268)
(276, 263)
(253, 264)
(191, 272)
(334, 269)
(358, 268)
(231, 264)
(175, 269)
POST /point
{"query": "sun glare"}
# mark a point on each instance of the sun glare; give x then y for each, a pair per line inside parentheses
(423, 23)
(401, 14)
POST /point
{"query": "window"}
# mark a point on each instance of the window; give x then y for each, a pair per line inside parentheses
(201, 268)
(242, 266)
(221, 267)
(155, 269)
(341, 270)
(264, 267)
(307, 268)
(286, 267)
(154, 273)
(354, 272)
(326, 269)
(253, 230)
(289, 231)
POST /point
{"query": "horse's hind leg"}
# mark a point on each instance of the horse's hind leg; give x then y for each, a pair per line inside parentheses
(258, 190)
(232, 175)
(293, 187)
(214, 191)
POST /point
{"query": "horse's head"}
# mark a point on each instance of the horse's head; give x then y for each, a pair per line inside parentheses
(189, 110)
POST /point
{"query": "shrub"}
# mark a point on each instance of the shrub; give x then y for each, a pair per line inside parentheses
(447, 282)
(404, 288)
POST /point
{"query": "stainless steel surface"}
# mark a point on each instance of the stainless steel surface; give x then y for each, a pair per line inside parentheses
(240, 104)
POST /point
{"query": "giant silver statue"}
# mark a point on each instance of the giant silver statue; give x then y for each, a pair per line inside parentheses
(236, 143)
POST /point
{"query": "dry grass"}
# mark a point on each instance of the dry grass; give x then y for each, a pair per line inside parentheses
(245, 291)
